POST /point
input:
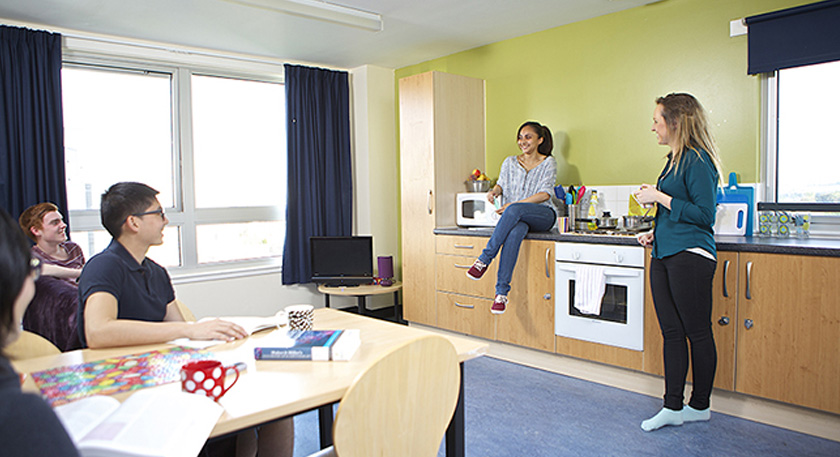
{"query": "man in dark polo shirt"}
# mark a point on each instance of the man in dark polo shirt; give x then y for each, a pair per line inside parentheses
(126, 299)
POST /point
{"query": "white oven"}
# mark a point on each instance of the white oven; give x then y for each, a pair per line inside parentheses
(620, 319)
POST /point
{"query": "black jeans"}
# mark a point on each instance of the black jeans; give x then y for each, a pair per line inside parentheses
(682, 295)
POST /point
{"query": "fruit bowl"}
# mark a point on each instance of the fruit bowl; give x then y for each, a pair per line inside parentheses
(478, 186)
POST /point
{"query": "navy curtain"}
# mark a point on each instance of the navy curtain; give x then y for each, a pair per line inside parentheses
(31, 125)
(804, 35)
(320, 188)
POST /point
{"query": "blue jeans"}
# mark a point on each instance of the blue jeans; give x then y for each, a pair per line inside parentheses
(511, 229)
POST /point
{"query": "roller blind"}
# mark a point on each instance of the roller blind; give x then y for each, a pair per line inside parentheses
(794, 37)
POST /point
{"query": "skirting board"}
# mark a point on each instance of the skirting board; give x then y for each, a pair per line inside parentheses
(783, 415)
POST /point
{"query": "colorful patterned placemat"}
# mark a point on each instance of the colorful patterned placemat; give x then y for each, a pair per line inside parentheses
(114, 375)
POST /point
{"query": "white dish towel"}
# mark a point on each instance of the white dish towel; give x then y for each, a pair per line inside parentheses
(590, 284)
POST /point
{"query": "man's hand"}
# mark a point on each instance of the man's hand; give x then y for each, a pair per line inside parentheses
(215, 329)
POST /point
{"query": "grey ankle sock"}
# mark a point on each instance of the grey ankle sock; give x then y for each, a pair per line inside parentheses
(695, 415)
(664, 417)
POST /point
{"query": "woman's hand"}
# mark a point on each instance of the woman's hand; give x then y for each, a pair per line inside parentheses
(502, 209)
(645, 239)
(647, 195)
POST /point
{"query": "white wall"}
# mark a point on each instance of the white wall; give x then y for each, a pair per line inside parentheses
(375, 203)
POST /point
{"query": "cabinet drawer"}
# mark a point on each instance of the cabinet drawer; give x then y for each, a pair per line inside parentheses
(451, 276)
(460, 245)
(464, 314)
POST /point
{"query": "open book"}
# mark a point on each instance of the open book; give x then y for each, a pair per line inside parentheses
(251, 324)
(150, 423)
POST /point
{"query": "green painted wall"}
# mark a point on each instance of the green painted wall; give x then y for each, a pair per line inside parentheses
(594, 83)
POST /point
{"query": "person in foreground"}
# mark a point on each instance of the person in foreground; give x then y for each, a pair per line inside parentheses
(684, 256)
(52, 313)
(28, 426)
(525, 184)
(127, 299)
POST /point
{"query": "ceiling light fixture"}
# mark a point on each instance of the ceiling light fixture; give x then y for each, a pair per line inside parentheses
(320, 10)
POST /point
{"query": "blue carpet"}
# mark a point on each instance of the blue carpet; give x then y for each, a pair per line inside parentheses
(513, 410)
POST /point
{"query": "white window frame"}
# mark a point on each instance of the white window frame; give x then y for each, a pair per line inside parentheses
(821, 225)
(182, 64)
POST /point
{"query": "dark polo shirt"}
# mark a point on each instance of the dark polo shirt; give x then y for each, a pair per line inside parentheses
(142, 290)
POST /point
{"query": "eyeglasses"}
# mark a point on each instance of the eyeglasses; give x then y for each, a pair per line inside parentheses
(157, 211)
(35, 268)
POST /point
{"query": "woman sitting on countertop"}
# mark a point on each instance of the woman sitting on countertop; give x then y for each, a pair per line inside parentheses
(525, 186)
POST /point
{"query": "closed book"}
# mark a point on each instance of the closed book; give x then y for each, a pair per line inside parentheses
(308, 345)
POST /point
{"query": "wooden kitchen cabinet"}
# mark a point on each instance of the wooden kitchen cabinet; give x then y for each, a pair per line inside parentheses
(529, 319)
(789, 329)
(724, 325)
(441, 141)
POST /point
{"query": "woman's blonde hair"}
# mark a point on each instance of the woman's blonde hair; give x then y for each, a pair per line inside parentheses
(687, 122)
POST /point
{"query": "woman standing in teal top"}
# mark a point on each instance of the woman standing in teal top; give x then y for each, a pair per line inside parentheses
(684, 255)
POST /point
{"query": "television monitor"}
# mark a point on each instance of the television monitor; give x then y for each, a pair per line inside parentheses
(341, 260)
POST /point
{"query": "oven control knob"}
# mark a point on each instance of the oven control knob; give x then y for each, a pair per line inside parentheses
(576, 255)
(618, 257)
(723, 320)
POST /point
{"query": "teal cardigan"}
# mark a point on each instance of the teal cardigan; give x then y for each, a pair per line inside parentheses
(690, 221)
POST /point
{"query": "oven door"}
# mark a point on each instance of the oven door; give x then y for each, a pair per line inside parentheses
(621, 320)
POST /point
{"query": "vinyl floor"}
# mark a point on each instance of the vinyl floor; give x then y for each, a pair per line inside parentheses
(514, 410)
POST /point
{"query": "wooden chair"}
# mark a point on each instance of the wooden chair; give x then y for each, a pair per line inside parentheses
(185, 312)
(401, 405)
(30, 345)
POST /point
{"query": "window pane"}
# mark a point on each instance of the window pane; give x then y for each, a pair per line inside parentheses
(167, 254)
(251, 240)
(239, 142)
(117, 127)
(809, 153)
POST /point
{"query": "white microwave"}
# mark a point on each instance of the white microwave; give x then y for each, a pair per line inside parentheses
(473, 210)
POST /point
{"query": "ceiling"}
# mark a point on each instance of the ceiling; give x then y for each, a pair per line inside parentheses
(414, 30)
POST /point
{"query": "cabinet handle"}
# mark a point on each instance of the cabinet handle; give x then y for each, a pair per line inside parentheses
(429, 202)
(464, 306)
(723, 320)
(748, 323)
(547, 263)
(547, 296)
(749, 279)
(465, 267)
(463, 246)
(725, 275)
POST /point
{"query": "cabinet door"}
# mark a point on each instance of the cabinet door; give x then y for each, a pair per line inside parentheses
(791, 350)
(417, 204)
(529, 319)
(466, 314)
(724, 318)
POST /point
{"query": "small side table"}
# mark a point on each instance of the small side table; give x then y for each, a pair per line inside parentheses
(362, 292)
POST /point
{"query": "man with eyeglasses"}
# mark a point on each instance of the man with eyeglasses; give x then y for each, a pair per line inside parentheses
(125, 298)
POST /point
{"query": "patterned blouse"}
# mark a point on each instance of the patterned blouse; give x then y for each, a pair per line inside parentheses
(518, 183)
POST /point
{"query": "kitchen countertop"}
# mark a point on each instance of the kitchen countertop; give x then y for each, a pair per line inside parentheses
(824, 247)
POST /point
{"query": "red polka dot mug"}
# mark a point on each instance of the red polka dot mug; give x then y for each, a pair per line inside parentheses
(206, 377)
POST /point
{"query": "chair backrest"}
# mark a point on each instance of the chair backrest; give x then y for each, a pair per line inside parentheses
(30, 345)
(185, 312)
(402, 404)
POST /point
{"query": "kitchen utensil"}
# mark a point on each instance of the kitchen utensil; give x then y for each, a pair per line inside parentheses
(606, 221)
(478, 186)
(733, 193)
(574, 194)
(731, 219)
(637, 222)
(560, 193)
(581, 193)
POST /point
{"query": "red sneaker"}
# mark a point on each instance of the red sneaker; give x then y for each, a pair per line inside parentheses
(499, 304)
(477, 270)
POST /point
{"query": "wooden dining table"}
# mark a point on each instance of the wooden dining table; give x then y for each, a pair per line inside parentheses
(270, 390)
